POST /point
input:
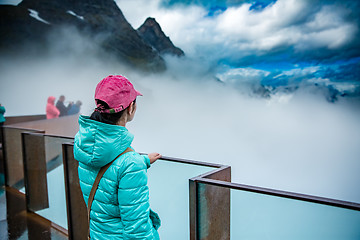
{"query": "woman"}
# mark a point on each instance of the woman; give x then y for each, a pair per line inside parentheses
(120, 209)
(51, 110)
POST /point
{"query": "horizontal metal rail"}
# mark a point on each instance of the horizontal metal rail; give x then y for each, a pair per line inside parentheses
(22, 128)
(283, 194)
(186, 161)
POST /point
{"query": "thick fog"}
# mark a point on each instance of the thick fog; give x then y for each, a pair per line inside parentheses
(297, 142)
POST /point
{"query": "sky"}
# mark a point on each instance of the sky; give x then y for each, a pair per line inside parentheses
(273, 43)
(282, 142)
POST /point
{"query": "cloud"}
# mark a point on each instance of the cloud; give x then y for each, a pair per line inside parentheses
(242, 74)
(299, 71)
(285, 26)
(298, 28)
(284, 42)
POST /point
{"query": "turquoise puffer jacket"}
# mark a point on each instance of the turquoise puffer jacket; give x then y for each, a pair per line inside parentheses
(120, 209)
(2, 111)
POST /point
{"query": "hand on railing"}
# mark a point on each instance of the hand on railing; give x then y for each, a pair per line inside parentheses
(153, 157)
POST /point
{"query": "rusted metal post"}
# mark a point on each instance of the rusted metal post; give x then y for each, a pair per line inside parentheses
(76, 207)
(210, 207)
(193, 209)
(35, 178)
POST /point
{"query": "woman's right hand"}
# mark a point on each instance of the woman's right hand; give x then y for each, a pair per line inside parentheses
(153, 157)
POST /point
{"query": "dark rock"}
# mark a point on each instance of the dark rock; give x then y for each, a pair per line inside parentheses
(17, 27)
(101, 20)
(151, 32)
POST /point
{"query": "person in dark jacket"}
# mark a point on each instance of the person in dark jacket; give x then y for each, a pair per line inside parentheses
(61, 106)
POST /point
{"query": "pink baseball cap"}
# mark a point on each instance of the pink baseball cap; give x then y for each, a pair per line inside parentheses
(117, 91)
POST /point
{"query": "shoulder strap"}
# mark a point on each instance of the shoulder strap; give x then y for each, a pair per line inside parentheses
(96, 183)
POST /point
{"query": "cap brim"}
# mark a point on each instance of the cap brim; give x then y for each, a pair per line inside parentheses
(138, 93)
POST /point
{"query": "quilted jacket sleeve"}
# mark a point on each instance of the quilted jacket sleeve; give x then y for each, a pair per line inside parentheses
(147, 160)
(133, 197)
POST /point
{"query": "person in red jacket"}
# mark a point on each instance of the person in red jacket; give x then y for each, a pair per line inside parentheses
(51, 110)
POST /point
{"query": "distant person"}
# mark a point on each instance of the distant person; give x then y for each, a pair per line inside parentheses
(61, 106)
(51, 110)
(2, 120)
(75, 108)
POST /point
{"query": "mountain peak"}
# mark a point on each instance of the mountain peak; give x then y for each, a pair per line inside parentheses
(153, 35)
(31, 21)
(152, 23)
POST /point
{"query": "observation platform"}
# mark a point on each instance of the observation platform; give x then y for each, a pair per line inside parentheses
(41, 196)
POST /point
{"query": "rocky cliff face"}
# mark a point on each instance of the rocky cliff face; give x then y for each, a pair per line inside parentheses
(31, 20)
(18, 27)
(151, 32)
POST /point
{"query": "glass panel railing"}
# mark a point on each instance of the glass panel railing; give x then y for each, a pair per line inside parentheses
(56, 212)
(262, 216)
(259, 216)
(169, 196)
